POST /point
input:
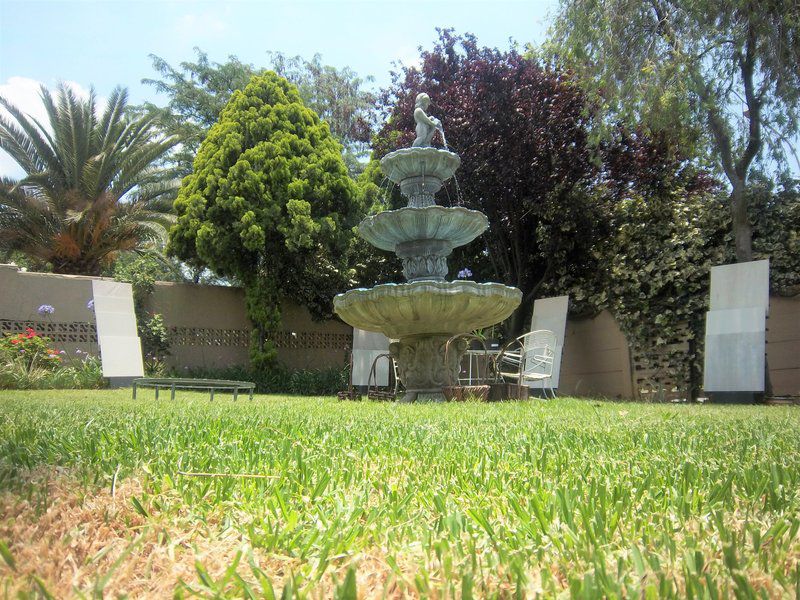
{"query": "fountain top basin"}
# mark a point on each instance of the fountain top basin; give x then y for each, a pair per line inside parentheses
(420, 162)
(427, 307)
(456, 225)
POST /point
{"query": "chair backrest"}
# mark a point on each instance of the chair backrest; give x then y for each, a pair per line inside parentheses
(538, 354)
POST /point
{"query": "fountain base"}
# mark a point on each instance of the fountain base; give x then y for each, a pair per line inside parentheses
(426, 365)
(423, 316)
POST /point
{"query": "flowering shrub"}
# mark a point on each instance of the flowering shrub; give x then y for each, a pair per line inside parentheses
(27, 361)
(29, 350)
(46, 309)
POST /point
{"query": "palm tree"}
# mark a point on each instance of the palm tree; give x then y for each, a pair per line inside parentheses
(91, 188)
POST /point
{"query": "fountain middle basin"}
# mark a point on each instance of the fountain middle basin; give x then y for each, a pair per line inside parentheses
(456, 224)
(422, 316)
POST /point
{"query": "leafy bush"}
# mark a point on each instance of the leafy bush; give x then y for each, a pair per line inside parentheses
(279, 379)
(155, 337)
(85, 372)
(310, 382)
(269, 204)
(29, 351)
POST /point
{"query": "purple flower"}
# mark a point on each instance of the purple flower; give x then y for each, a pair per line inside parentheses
(90, 304)
(464, 273)
(46, 309)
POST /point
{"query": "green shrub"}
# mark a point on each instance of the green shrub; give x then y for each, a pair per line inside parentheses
(82, 373)
(154, 335)
(29, 352)
(308, 382)
(280, 380)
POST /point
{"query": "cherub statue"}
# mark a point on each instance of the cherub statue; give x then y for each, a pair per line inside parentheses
(426, 126)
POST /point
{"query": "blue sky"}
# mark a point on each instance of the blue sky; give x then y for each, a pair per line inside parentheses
(106, 43)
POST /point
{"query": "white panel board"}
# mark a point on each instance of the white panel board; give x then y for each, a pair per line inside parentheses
(362, 363)
(734, 352)
(120, 347)
(369, 340)
(121, 356)
(551, 314)
(366, 346)
(741, 285)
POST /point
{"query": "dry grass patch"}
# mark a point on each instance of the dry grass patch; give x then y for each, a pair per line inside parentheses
(65, 540)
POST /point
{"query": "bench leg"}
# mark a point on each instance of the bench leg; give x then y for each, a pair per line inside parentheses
(251, 393)
(134, 391)
(235, 394)
(172, 393)
(156, 392)
(212, 394)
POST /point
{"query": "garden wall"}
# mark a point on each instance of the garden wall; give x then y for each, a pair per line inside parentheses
(207, 324)
(71, 327)
(209, 328)
(597, 360)
(783, 345)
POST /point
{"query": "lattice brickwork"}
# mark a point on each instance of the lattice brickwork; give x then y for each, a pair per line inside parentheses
(300, 340)
(202, 336)
(75, 332)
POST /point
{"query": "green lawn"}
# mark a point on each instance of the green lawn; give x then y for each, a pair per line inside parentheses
(573, 497)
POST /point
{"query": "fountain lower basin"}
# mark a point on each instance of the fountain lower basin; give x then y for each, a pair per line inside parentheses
(427, 307)
(422, 316)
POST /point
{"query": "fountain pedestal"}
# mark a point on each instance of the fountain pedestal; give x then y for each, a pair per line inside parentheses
(426, 366)
(422, 315)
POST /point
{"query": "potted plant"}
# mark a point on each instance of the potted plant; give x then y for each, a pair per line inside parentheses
(486, 338)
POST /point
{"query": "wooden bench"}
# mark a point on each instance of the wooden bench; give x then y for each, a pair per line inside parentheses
(173, 383)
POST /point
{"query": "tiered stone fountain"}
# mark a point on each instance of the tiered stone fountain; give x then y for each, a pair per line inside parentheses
(424, 313)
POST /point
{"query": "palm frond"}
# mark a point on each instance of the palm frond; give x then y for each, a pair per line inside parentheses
(90, 188)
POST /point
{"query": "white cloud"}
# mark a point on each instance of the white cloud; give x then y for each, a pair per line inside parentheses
(208, 24)
(23, 93)
(408, 57)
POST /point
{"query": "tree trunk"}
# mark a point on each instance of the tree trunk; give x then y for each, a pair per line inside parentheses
(742, 230)
(517, 324)
(743, 238)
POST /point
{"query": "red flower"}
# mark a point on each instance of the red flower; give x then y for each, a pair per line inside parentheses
(15, 341)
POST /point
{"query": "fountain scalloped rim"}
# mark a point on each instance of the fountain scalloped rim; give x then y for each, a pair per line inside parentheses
(428, 308)
(456, 224)
(406, 163)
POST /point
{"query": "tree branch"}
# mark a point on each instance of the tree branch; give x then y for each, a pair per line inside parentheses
(747, 66)
(716, 123)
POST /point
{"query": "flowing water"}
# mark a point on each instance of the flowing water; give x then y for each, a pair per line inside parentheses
(385, 190)
(440, 129)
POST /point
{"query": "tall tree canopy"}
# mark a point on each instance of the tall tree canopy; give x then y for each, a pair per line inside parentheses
(269, 203)
(725, 74)
(198, 90)
(337, 96)
(89, 190)
(521, 132)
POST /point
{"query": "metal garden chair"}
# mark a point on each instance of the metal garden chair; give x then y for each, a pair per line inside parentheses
(528, 358)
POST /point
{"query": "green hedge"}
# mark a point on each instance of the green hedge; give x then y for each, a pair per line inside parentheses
(280, 380)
